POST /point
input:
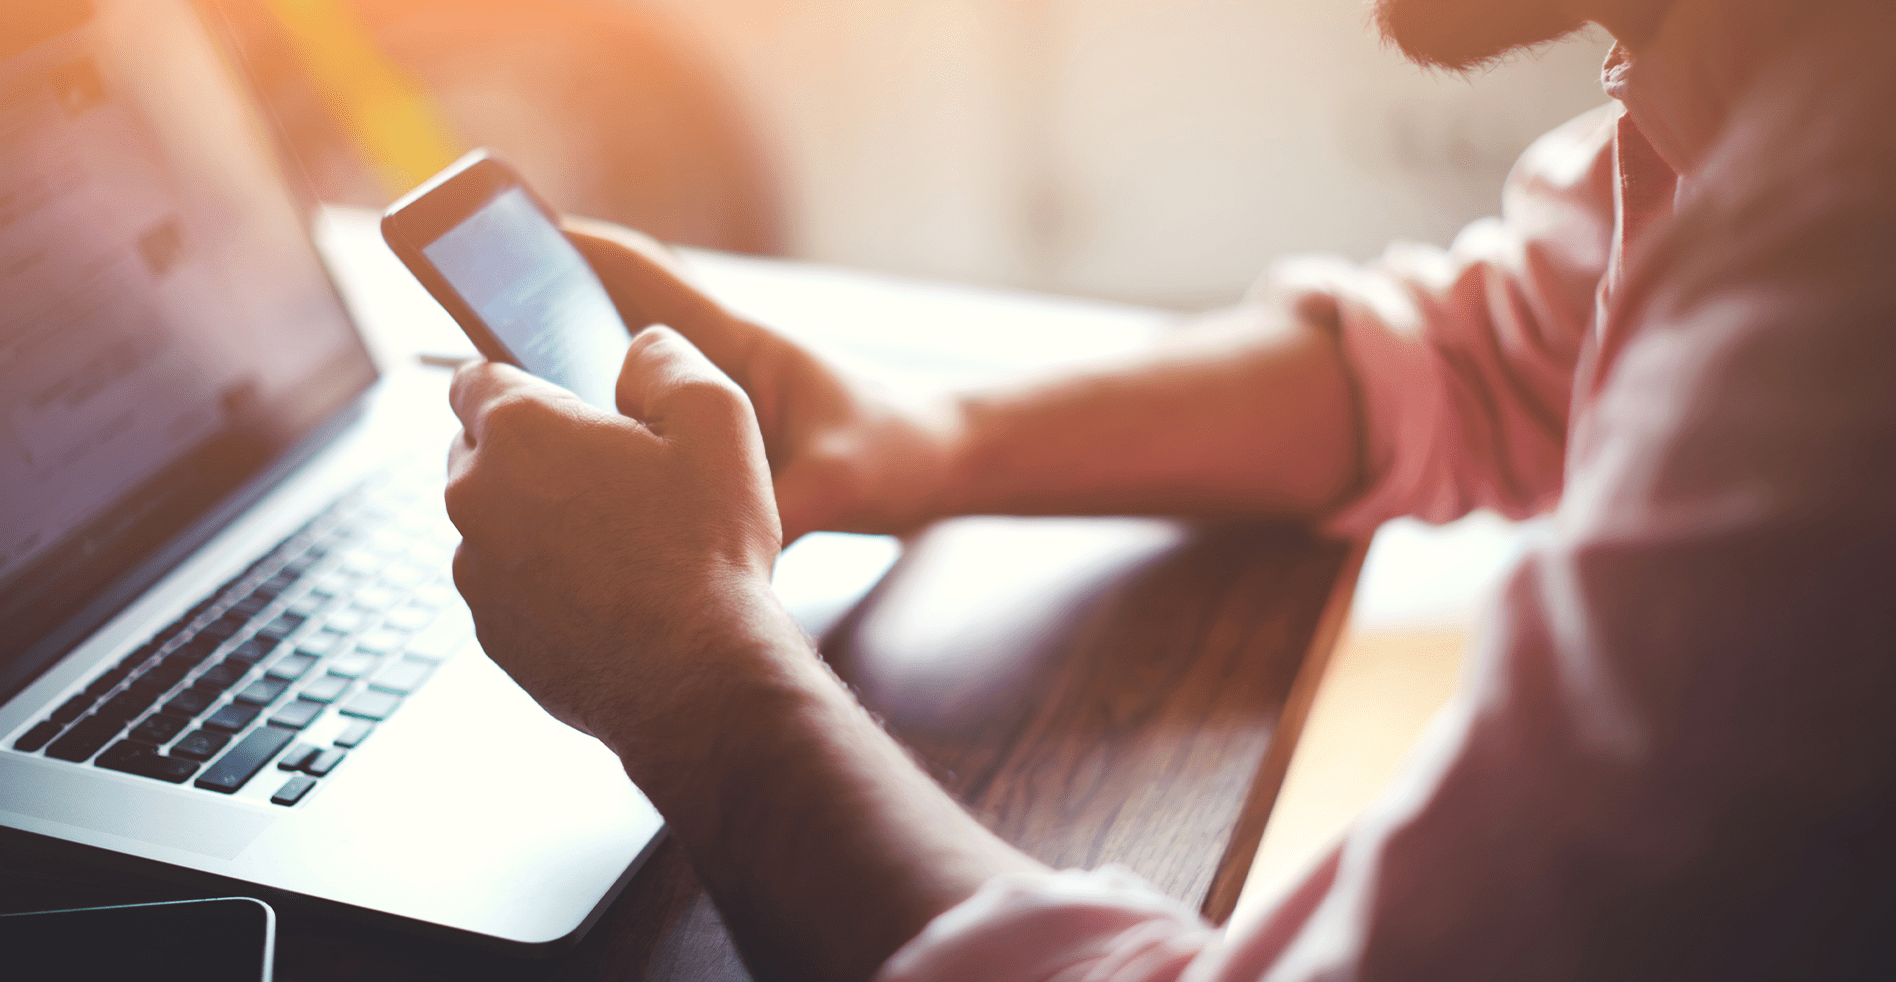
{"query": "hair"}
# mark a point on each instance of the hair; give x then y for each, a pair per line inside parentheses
(1464, 35)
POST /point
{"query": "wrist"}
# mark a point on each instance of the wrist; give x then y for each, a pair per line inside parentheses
(948, 489)
(738, 678)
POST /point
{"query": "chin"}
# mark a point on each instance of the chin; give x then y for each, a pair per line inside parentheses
(1461, 35)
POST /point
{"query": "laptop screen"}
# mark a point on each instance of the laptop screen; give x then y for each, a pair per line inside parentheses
(167, 331)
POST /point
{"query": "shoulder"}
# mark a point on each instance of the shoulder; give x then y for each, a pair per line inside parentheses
(1796, 201)
(1764, 347)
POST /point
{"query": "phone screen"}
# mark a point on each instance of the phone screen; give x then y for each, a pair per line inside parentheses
(226, 940)
(536, 293)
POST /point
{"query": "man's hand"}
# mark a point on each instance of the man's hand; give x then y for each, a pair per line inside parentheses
(612, 561)
(845, 455)
(618, 567)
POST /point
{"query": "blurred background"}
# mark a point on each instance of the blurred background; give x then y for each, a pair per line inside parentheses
(1160, 152)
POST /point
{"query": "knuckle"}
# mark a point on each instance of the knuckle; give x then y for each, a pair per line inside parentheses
(464, 569)
(652, 342)
(708, 390)
(458, 496)
(514, 413)
(711, 398)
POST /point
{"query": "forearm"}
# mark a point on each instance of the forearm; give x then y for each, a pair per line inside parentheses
(824, 846)
(1238, 416)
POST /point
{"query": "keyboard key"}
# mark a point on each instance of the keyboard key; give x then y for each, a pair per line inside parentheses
(242, 762)
(440, 596)
(224, 628)
(263, 692)
(232, 717)
(109, 681)
(355, 665)
(36, 737)
(444, 637)
(361, 562)
(325, 761)
(248, 606)
(200, 745)
(372, 705)
(357, 732)
(292, 667)
(297, 757)
(190, 654)
(326, 689)
(224, 674)
(134, 758)
(193, 654)
(388, 542)
(281, 627)
(308, 605)
(182, 661)
(319, 644)
(192, 701)
(254, 650)
(73, 708)
(144, 657)
(403, 676)
(293, 790)
(132, 701)
(381, 641)
(158, 728)
(297, 714)
(165, 674)
(410, 618)
(85, 738)
(406, 576)
(334, 583)
(376, 598)
(346, 622)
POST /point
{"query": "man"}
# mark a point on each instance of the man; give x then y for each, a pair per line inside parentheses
(1674, 755)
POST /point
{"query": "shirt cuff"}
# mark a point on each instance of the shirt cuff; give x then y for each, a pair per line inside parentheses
(1376, 326)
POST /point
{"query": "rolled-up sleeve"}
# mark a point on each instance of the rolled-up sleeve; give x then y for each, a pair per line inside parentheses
(1675, 753)
(1463, 358)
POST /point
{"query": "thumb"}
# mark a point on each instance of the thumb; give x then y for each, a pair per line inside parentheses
(670, 386)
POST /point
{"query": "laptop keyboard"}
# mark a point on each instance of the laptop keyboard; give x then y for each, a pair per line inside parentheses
(328, 633)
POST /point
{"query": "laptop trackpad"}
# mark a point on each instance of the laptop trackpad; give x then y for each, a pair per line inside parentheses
(130, 807)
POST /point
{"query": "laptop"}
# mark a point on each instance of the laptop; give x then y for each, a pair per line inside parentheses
(230, 645)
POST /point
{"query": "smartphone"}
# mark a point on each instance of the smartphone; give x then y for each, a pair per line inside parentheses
(491, 251)
(230, 939)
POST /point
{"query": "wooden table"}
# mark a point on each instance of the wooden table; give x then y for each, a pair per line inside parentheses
(1109, 690)
(1098, 690)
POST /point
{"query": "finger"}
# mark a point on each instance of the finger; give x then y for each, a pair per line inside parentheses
(649, 287)
(480, 385)
(673, 388)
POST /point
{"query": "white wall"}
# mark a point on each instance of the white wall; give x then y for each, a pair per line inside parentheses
(1159, 151)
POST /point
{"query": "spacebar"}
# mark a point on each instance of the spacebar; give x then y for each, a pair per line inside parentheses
(245, 759)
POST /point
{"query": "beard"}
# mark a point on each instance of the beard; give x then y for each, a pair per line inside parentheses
(1461, 35)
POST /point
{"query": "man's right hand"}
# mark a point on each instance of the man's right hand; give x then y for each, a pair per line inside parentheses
(845, 454)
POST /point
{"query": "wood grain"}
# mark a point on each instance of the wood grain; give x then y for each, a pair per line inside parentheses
(1260, 803)
(1099, 691)
(1128, 717)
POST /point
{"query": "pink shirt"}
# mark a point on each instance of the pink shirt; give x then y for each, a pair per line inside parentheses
(1675, 755)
